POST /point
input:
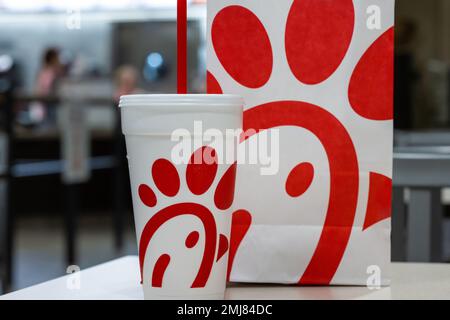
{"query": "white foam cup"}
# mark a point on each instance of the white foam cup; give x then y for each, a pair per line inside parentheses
(182, 203)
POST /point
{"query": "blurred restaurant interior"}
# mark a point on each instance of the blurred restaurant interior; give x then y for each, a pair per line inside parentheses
(64, 191)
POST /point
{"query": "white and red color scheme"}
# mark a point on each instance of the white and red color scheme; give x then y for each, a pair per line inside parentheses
(199, 179)
(182, 210)
(320, 71)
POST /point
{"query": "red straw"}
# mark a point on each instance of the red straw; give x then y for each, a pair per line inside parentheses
(182, 46)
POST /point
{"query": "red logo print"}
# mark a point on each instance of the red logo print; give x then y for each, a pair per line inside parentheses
(317, 36)
(200, 175)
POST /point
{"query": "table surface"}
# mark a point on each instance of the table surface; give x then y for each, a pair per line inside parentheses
(409, 281)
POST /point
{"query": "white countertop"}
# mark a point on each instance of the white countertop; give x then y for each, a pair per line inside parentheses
(119, 279)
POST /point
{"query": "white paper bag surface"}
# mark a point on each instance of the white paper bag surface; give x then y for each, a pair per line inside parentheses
(317, 76)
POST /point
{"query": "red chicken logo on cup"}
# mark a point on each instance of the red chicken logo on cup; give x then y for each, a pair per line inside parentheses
(200, 177)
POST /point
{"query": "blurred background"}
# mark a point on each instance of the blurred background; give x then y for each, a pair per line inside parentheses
(64, 195)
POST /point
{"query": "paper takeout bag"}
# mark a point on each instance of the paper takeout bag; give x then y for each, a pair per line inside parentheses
(317, 76)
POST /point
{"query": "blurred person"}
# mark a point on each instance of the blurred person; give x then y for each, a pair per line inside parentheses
(49, 74)
(126, 82)
(126, 79)
(51, 70)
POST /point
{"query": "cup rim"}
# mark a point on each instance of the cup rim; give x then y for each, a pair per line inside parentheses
(210, 100)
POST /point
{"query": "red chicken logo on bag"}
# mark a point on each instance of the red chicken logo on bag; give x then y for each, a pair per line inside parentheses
(315, 40)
